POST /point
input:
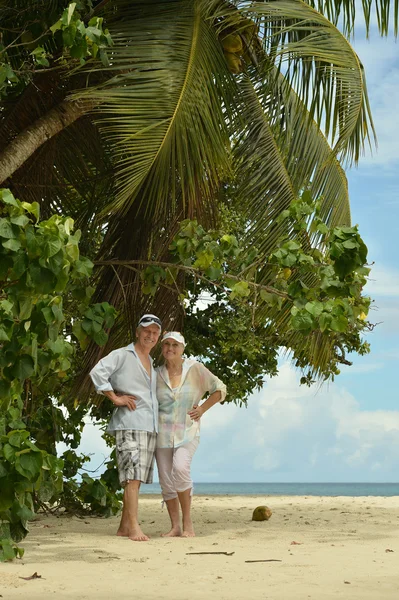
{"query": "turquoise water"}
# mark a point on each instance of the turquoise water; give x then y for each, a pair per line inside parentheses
(287, 489)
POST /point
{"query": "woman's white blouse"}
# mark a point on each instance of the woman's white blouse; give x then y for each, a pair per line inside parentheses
(175, 427)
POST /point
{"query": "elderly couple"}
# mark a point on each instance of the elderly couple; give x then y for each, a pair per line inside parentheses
(139, 392)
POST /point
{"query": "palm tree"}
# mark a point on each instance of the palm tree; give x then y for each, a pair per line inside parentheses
(198, 94)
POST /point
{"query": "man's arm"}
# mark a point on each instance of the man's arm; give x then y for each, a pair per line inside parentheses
(101, 374)
(123, 400)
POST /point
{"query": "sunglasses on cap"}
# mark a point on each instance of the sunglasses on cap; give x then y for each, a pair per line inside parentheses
(150, 320)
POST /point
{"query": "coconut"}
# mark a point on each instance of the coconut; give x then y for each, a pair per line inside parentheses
(261, 513)
(233, 62)
(232, 43)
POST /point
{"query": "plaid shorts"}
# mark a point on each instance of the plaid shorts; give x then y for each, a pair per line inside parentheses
(135, 453)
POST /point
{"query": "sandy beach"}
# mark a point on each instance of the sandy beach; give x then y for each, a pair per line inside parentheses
(344, 548)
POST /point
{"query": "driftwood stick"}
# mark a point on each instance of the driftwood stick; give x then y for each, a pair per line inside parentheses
(265, 560)
(225, 553)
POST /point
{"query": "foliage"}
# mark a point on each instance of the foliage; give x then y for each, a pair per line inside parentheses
(41, 272)
(67, 38)
(314, 288)
(262, 97)
(183, 106)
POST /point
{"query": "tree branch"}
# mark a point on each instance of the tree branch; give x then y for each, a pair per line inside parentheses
(192, 270)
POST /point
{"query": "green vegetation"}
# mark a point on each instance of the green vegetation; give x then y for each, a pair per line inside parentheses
(199, 156)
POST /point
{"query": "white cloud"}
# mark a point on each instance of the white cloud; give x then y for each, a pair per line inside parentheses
(361, 368)
(380, 59)
(295, 433)
(383, 282)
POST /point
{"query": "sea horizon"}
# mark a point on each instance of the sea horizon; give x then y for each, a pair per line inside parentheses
(287, 489)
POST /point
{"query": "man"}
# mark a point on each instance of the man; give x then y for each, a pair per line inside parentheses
(127, 377)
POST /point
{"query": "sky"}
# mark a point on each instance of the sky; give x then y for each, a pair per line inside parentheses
(346, 431)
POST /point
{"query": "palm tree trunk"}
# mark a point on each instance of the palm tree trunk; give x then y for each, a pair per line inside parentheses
(34, 136)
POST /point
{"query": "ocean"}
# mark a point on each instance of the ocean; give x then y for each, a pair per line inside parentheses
(287, 489)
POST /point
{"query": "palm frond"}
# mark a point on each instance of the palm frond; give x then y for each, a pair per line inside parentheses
(162, 111)
(346, 12)
(319, 63)
(275, 163)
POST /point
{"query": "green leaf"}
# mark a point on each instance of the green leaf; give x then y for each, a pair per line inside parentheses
(324, 321)
(3, 336)
(18, 532)
(314, 308)
(73, 251)
(6, 229)
(52, 246)
(302, 321)
(12, 245)
(322, 227)
(15, 438)
(33, 208)
(19, 266)
(57, 26)
(6, 550)
(23, 367)
(7, 495)
(43, 279)
(204, 259)
(20, 220)
(29, 465)
(7, 306)
(25, 307)
(46, 491)
(339, 324)
(84, 266)
(6, 264)
(213, 273)
(9, 452)
(24, 513)
(240, 289)
(100, 337)
(7, 197)
(70, 9)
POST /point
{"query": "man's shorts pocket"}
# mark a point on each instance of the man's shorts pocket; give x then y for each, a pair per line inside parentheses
(129, 447)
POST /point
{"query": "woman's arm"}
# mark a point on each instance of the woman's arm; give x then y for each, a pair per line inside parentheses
(197, 411)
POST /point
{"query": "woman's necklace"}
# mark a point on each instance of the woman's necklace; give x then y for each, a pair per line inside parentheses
(174, 373)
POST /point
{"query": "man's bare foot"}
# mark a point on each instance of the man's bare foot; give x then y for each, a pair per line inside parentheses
(138, 536)
(174, 532)
(122, 533)
(188, 533)
(135, 534)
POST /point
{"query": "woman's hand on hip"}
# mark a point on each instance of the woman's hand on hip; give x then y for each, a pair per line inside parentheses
(196, 413)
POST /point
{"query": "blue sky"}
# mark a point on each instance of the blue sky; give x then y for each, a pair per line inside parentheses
(348, 430)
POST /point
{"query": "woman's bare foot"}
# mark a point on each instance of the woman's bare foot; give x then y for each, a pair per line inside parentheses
(188, 533)
(188, 529)
(174, 532)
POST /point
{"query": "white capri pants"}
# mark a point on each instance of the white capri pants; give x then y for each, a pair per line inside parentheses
(174, 468)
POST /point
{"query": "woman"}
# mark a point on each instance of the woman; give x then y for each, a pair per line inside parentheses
(181, 384)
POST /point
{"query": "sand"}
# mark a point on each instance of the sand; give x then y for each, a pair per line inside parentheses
(341, 552)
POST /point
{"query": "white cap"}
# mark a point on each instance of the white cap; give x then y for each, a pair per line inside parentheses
(147, 320)
(174, 335)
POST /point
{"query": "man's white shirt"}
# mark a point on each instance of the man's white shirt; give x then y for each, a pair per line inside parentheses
(121, 371)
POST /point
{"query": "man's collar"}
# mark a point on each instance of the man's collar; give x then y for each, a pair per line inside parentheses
(131, 348)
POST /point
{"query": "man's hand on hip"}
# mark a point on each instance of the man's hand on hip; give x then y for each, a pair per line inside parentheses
(122, 399)
(126, 400)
